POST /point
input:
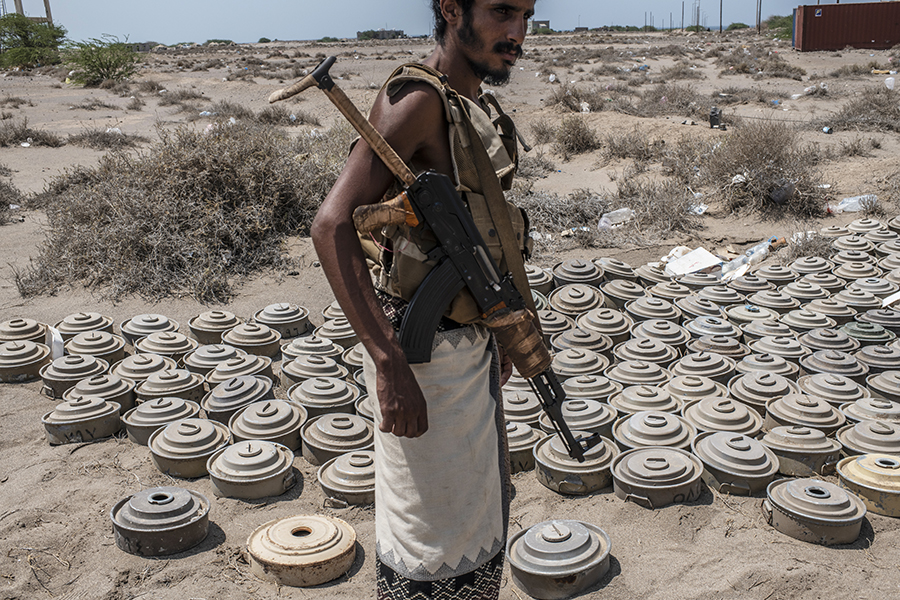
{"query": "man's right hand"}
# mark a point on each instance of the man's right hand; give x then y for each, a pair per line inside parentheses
(402, 404)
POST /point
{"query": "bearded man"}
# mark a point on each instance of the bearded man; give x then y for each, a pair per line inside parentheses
(441, 458)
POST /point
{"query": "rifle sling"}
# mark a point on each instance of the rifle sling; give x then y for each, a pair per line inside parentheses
(497, 206)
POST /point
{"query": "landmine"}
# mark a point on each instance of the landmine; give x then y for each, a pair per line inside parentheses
(160, 521)
(558, 559)
(301, 551)
(289, 320)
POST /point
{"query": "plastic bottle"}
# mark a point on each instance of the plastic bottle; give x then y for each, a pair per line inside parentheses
(889, 82)
(753, 256)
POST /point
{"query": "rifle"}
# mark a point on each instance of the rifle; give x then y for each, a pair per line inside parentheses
(463, 261)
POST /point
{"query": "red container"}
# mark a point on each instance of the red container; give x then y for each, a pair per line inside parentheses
(836, 26)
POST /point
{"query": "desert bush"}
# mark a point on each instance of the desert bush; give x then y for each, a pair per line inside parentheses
(664, 99)
(94, 104)
(736, 26)
(105, 138)
(575, 136)
(780, 27)
(226, 109)
(573, 98)
(874, 109)
(801, 243)
(134, 104)
(179, 96)
(14, 102)
(535, 165)
(25, 43)
(100, 59)
(149, 86)
(762, 167)
(279, 115)
(543, 131)
(8, 195)
(15, 132)
(186, 216)
(735, 95)
(634, 144)
(681, 71)
(660, 208)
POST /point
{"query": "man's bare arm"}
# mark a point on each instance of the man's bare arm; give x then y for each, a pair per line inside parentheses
(413, 123)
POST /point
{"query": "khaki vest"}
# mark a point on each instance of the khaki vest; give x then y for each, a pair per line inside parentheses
(397, 255)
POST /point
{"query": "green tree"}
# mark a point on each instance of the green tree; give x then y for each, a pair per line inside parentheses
(26, 43)
(735, 26)
(97, 60)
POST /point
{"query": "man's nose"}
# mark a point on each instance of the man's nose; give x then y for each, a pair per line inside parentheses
(516, 33)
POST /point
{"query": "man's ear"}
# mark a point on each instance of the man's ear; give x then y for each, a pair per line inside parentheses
(451, 11)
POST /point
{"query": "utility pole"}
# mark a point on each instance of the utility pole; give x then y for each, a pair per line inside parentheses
(682, 16)
(720, 17)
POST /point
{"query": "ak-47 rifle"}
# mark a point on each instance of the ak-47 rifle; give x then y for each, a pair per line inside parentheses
(463, 261)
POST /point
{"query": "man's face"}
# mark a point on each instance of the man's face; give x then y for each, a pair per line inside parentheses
(492, 32)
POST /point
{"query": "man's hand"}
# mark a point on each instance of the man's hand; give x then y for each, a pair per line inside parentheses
(403, 409)
(506, 366)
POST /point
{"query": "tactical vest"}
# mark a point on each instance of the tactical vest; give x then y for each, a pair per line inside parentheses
(397, 255)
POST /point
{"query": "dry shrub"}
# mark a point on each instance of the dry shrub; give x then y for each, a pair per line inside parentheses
(572, 98)
(226, 109)
(805, 241)
(185, 217)
(663, 99)
(279, 115)
(94, 104)
(150, 86)
(8, 195)
(180, 96)
(735, 95)
(120, 88)
(681, 71)
(14, 102)
(108, 138)
(634, 144)
(135, 104)
(758, 61)
(855, 70)
(775, 174)
(875, 109)
(660, 208)
(15, 132)
(683, 160)
(543, 131)
(535, 165)
(575, 136)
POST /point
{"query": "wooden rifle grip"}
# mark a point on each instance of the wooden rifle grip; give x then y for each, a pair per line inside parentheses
(516, 333)
(396, 211)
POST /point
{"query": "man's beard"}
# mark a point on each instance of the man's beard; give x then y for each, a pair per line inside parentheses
(482, 70)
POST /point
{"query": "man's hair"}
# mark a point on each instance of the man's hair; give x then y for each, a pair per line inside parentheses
(440, 23)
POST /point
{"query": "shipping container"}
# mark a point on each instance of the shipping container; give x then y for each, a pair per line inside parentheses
(873, 25)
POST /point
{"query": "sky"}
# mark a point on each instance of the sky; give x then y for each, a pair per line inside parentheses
(173, 21)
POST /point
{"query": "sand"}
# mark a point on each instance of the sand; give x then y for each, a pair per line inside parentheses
(55, 500)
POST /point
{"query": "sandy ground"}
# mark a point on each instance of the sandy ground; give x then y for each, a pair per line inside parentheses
(55, 501)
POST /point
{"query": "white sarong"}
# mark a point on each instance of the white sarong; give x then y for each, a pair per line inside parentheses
(441, 502)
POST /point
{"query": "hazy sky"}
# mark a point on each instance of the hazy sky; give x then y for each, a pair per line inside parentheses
(171, 21)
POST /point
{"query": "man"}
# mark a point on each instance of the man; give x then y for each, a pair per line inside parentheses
(441, 471)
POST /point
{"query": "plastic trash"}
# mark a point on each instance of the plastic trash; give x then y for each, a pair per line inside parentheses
(14, 207)
(889, 82)
(852, 204)
(827, 130)
(752, 256)
(552, 78)
(585, 107)
(699, 209)
(615, 218)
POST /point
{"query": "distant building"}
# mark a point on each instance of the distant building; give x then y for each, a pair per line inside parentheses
(144, 46)
(381, 34)
(581, 30)
(535, 25)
